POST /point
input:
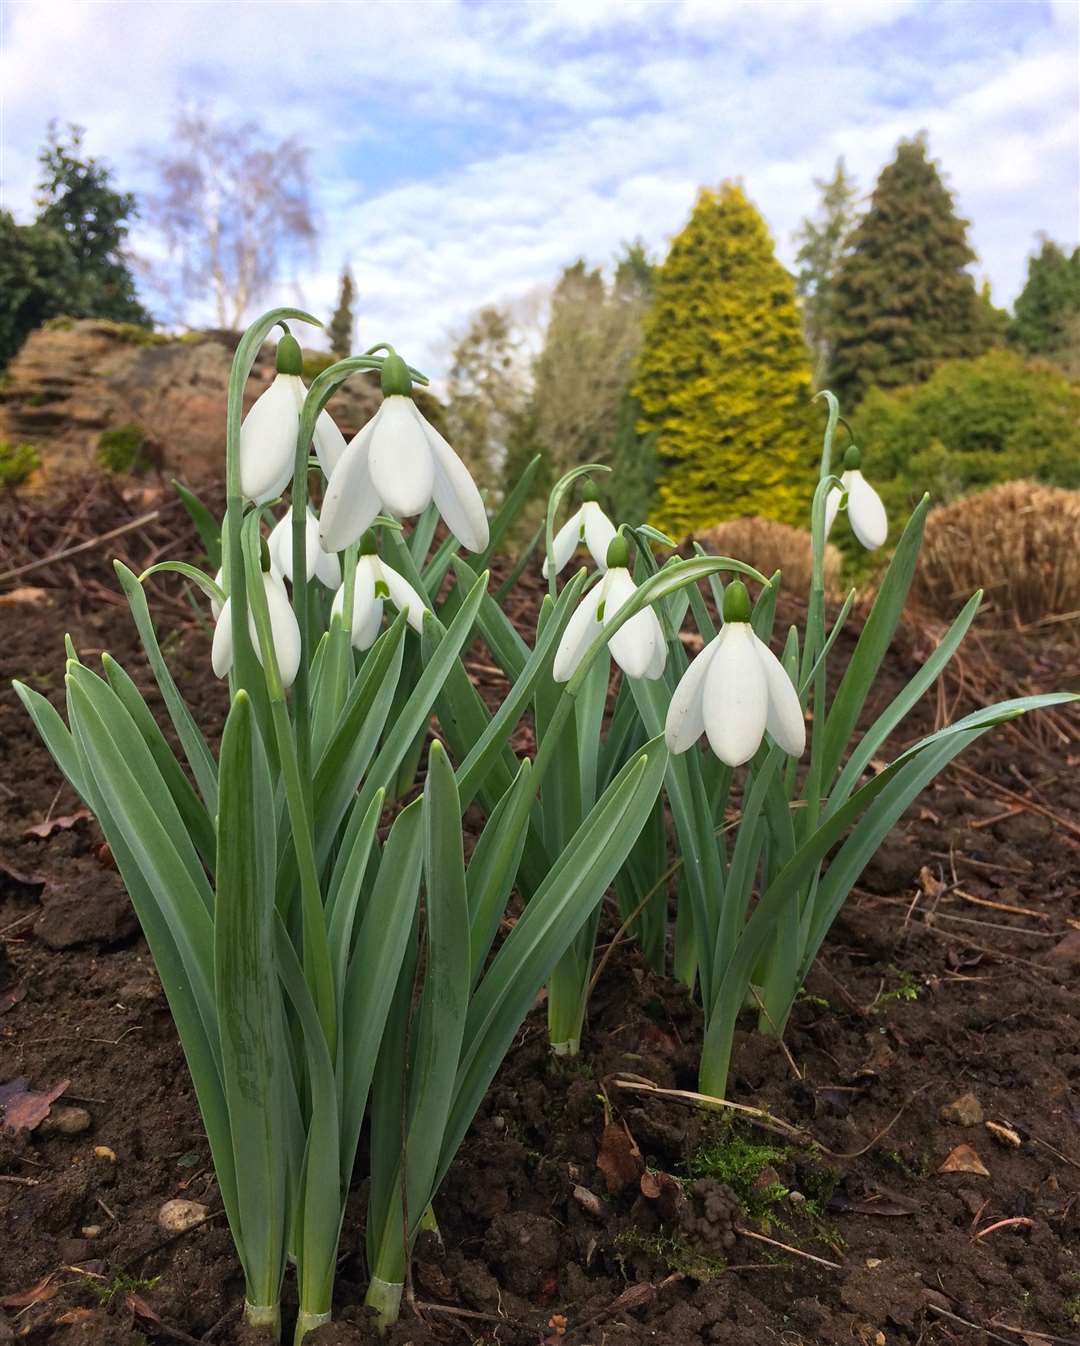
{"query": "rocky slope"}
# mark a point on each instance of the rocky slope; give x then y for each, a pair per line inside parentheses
(75, 380)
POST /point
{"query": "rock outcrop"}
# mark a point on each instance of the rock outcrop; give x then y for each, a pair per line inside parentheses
(75, 379)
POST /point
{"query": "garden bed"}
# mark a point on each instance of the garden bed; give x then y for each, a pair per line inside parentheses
(951, 972)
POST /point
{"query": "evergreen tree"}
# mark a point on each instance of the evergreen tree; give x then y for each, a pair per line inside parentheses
(822, 241)
(343, 324)
(903, 299)
(77, 201)
(724, 375)
(1044, 316)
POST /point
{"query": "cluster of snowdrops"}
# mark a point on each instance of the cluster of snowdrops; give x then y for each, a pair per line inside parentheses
(328, 968)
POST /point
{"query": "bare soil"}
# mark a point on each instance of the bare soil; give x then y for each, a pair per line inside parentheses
(952, 971)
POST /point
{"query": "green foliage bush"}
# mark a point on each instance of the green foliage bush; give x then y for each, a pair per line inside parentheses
(973, 424)
(17, 463)
(122, 449)
(723, 379)
(315, 362)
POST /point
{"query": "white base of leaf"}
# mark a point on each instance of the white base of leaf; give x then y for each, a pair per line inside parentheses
(264, 1315)
(308, 1322)
(569, 1048)
(385, 1298)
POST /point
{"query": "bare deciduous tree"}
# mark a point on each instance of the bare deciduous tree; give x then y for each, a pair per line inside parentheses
(233, 210)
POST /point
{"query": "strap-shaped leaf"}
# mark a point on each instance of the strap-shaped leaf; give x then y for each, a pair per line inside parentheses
(347, 884)
(199, 824)
(54, 734)
(556, 912)
(206, 525)
(417, 710)
(494, 865)
(499, 633)
(873, 642)
(373, 973)
(198, 754)
(513, 503)
(249, 1000)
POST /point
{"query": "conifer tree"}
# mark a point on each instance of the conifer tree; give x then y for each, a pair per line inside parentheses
(903, 299)
(343, 323)
(1046, 309)
(723, 378)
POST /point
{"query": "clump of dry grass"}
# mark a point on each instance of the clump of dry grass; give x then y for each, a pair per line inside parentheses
(769, 546)
(1020, 542)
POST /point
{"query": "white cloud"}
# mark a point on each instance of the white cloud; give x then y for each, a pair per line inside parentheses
(565, 126)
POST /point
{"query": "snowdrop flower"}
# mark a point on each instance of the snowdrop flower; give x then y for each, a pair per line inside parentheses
(321, 563)
(283, 628)
(638, 646)
(734, 691)
(399, 463)
(268, 434)
(865, 511)
(376, 581)
(589, 525)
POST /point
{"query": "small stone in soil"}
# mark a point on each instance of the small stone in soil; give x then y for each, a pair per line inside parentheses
(963, 1111)
(177, 1216)
(65, 1121)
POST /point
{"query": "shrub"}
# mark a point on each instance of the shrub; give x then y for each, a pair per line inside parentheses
(1018, 541)
(17, 463)
(770, 546)
(315, 362)
(122, 449)
(973, 424)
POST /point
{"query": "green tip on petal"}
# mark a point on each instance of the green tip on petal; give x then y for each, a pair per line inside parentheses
(852, 459)
(618, 553)
(396, 380)
(290, 358)
(589, 492)
(369, 544)
(736, 602)
(264, 556)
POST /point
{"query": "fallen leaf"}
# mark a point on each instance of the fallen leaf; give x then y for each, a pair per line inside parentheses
(619, 1159)
(25, 1108)
(75, 1316)
(664, 1190)
(1067, 950)
(963, 1159)
(37, 1294)
(61, 824)
(877, 1203)
(139, 1308)
(26, 593)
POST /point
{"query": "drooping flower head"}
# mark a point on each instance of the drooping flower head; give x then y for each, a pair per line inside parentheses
(268, 434)
(734, 691)
(398, 464)
(865, 511)
(284, 629)
(589, 524)
(638, 646)
(323, 564)
(376, 581)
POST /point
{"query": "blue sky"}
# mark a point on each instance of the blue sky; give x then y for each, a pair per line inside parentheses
(463, 150)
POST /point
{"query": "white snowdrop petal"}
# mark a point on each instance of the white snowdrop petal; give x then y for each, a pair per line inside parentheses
(366, 633)
(633, 644)
(455, 493)
(351, 502)
(660, 651)
(221, 652)
(329, 442)
(268, 441)
(579, 634)
(735, 697)
(685, 721)
(283, 628)
(364, 601)
(784, 718)
(866, 513)
(404, 596)
(279, 544)
(327, 565)
(399, 459)
(832, 504)
(564, 544)
(599, 530)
